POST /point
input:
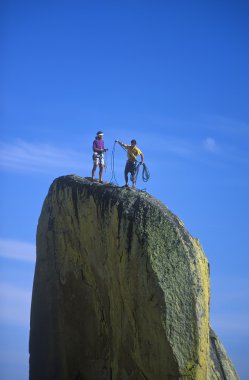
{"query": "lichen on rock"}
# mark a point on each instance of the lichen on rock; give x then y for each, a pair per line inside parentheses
(121, 289)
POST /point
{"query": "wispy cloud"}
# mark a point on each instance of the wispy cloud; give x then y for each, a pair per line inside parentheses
(14, 298)
(228, 126)
(231, 323)
(35, 157)
(210, 145)
(22, 156)
(156, 143)
(184, 148)
(179, 147)
(17, 250)
(174, 146)
(229, 305)
(15, 358)
(197, 149)
(14, 305)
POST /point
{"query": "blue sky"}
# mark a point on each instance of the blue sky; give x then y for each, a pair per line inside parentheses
(174, 76)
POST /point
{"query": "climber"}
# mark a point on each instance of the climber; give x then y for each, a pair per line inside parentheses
(130, 167)
(98, 155)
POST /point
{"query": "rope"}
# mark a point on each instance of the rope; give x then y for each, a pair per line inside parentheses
(105, 160)
(145, 172)
(113, 178)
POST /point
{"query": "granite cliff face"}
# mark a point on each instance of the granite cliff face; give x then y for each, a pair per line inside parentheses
(121, 290)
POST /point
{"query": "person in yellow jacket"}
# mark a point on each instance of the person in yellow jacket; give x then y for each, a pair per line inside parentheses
(132, 152)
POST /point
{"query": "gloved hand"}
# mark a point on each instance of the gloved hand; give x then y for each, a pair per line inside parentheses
(116, 141)
(105, 150)
(140, 163)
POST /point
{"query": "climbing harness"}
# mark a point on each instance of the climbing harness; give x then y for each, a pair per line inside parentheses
(101, 156)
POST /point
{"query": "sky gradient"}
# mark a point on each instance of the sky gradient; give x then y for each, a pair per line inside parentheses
(173, 75)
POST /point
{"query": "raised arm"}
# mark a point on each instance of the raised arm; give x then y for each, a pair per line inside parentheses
(121, 144)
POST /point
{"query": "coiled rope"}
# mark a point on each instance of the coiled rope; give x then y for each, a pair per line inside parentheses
(145, 172)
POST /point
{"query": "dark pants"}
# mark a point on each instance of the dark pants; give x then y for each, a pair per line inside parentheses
(130, 167)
